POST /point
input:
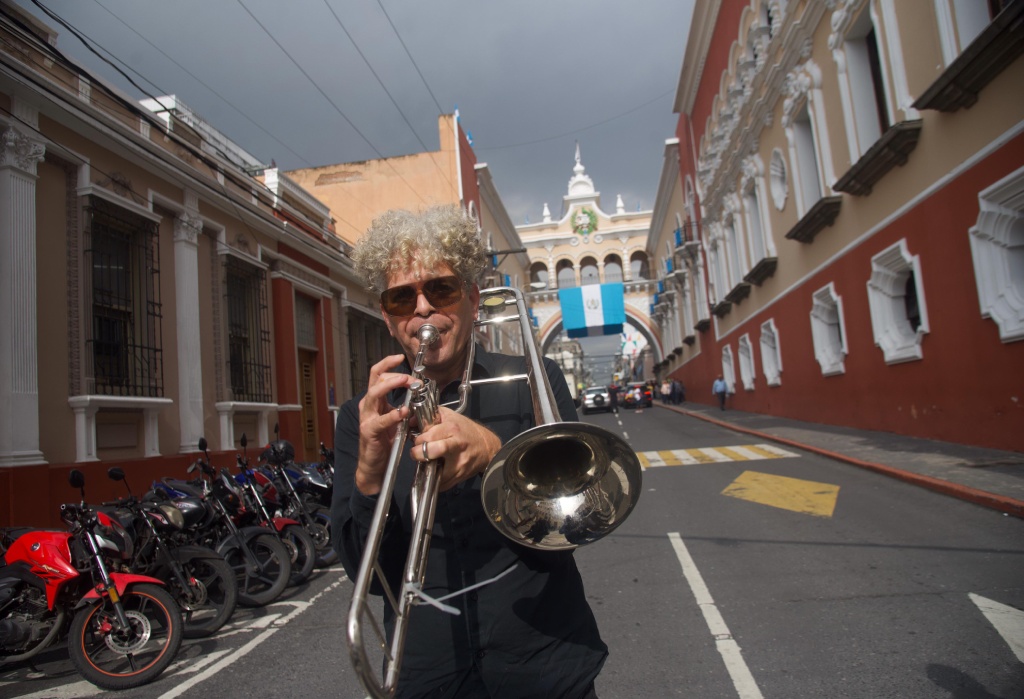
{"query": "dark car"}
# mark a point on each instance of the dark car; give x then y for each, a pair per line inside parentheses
(595, 398)
(646, 397)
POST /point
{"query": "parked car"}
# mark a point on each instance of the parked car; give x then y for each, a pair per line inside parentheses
(596, 398)
(646, 397)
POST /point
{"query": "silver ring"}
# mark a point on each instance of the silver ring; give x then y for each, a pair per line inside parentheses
(425, 457)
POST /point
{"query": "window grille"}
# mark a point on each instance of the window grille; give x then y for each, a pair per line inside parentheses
(248, 331)
(122, 253)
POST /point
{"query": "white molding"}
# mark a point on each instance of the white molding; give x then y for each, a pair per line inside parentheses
(997, 249)
(771, 353)
(226, 411)
(86, 407)
(828, 330)
(746, 357)
(890, 268)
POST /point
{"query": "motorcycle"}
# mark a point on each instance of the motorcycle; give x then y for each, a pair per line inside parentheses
(316, 520)
(253, 510)
(261, 563)
(201, 581)
(123, 630)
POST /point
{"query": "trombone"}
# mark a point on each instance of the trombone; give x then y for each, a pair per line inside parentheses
(556, 486)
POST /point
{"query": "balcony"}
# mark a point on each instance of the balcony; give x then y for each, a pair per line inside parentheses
(821, 216)
(890, 150)
(721, 309)
(762, 270)
(998, 45)
(738, 293)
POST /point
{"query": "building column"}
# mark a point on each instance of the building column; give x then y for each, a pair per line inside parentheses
(187, 227)
(19, 380)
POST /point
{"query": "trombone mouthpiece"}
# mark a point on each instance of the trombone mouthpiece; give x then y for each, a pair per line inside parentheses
(427, 334)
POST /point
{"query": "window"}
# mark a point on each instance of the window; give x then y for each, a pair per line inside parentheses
(867, 110)
(777, 177)
(746, 356)
(771, 356)
(758, 248)
(612, 269)
(538, 276)
(588, 271)
(566, 274)
(997, 247)
(961, 21)
(827, 331)
(805, 156)
(734, 253)
(728, 369)
(899, 318)
(123, 257)
(638, 266)
(248, 331)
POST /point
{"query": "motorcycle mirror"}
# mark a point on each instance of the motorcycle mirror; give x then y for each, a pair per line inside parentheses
(243, 441)
(192, 468)
(115, 473)
(76, 479)
(202, 444)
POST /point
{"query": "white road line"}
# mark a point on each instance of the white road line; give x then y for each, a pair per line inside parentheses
(713, 454)
(251, 645)
(742, 680)
(65, 691)
(1008, 621)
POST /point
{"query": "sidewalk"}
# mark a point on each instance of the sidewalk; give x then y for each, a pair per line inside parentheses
(987, 477)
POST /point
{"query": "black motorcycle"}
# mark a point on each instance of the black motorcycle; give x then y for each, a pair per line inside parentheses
(199, 578)
(261, 563)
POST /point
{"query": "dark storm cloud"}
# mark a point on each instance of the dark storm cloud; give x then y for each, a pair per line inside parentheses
(530, 78)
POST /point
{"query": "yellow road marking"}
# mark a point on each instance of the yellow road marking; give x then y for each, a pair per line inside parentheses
(710, 455)
(794, 494)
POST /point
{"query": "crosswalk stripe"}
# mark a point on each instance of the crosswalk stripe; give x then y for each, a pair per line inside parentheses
(711, 455)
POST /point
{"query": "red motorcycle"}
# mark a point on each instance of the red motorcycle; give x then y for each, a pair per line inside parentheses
(123, 630)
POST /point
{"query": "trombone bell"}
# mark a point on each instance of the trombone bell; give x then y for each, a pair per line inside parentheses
(561, 485)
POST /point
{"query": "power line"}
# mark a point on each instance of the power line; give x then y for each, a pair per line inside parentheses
(413, 60)
(580, 130)
(329, 100)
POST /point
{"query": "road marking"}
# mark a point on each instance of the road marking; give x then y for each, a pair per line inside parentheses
(279, 622)
(710, 455)
(742, 679)
(794, 494)
(1008, 621)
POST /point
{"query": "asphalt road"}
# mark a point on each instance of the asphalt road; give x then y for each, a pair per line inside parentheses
(778, 575)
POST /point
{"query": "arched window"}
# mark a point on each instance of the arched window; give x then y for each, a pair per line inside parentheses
(613, 268)
(588, 271)
(538, 275)
(639, 266)
(566, 274)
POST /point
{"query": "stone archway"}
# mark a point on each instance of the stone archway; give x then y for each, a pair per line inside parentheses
(642, 325)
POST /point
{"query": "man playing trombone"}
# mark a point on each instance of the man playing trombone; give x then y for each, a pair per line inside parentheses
(526, 630)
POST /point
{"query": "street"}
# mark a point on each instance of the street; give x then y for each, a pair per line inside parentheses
(746, 570)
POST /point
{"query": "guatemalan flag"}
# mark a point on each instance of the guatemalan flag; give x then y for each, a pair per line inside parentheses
(593, 309)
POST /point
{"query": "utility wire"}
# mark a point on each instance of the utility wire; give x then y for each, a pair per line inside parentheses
(196, 78)
(329, 100)
(579, 130)
(386, 91)
(413, 60)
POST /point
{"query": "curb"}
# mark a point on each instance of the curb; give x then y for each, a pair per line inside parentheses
(992, 501)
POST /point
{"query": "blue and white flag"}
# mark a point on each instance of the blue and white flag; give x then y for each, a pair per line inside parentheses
(593, 309)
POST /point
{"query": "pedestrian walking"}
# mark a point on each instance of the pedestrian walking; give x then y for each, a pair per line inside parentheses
(666, 391)
(720, 389)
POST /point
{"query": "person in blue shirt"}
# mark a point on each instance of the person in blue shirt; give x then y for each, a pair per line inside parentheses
(720, 389)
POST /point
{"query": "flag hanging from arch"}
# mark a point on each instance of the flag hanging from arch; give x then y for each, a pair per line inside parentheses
(593, 309)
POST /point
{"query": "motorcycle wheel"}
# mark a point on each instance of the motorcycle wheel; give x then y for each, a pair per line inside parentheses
(266, 583)
(116, 661)
(301, 551)
(211, 597)
(326, 556)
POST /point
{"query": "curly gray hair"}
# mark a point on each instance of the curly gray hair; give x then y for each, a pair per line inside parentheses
(397, 238)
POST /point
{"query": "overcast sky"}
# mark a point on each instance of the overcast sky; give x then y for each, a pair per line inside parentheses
(318, 82)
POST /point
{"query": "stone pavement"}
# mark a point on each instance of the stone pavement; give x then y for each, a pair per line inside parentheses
(987, 477)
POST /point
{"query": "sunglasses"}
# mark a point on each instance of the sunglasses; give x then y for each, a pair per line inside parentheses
(442, 292)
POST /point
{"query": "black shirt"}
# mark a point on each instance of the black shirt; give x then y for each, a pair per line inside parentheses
(529, 634)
